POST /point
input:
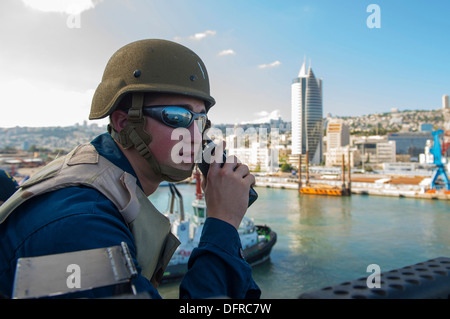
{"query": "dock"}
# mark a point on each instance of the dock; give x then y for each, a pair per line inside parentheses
(363, 184)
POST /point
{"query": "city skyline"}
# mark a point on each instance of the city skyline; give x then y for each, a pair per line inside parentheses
(53, 53)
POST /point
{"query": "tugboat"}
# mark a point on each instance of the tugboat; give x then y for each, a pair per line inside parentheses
(257, 240)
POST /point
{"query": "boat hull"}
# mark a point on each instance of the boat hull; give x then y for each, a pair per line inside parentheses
(254, 255)
(260, 252)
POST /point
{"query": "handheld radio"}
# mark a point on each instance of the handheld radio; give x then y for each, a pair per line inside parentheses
(208, 149)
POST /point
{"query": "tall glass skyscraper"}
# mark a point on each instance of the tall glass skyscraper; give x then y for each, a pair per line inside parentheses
(306, 108)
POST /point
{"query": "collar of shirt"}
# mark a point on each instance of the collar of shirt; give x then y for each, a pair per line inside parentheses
(107, 147)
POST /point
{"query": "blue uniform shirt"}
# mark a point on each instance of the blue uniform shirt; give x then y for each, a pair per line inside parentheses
(80, 218)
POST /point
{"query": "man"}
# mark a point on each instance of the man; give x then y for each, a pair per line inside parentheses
(96, 196)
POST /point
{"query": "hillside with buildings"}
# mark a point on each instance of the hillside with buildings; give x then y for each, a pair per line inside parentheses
(395, 121)
(394, 140)
(47, 138)
(374, 141)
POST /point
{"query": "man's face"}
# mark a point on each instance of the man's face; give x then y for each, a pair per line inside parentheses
(169, 148)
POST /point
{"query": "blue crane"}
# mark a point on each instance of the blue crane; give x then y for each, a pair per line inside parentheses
(436, 150)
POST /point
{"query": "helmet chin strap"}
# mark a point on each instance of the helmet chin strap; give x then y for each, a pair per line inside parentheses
(134, 134)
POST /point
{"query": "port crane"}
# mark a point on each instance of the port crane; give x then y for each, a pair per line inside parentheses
(438, 153)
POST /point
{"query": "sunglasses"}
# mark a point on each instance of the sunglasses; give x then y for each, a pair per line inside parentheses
(175, 116)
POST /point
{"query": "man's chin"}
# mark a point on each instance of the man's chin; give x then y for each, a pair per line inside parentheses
(188, 167)
(185, 165)
(175, 179)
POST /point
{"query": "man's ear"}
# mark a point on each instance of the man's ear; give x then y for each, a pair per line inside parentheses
(119, 120)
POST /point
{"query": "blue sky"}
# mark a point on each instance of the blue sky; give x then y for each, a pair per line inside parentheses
(49, 71)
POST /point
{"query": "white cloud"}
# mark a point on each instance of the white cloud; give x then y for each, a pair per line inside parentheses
(198, 36)
(262, 113)
(269, 65)
(227, 52)
(202, 35)
(264, 117)
(70, 7)
(37, 104)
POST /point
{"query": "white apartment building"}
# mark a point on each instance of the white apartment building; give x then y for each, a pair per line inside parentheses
(338, 137)
(255, 153)
(338, 134)
(375, 149)
(386, 152)
(334, 156)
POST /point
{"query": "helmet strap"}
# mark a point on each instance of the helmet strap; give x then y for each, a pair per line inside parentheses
(134, 134)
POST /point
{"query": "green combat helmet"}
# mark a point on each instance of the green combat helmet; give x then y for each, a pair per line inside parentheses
(144, 66)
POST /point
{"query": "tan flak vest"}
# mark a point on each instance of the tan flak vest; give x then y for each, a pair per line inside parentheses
(155, 244)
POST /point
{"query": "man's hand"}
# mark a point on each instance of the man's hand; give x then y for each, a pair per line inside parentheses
(227, 189)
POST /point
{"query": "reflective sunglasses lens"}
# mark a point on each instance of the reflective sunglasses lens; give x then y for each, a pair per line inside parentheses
(177, 116)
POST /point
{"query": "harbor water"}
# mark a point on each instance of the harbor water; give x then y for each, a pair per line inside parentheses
(327, 240)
